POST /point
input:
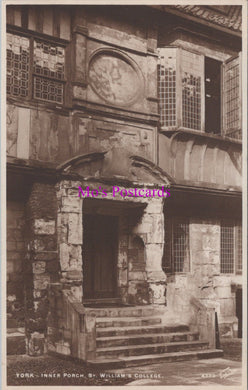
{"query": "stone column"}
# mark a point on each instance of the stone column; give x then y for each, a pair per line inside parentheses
(154, 251)
(122, 266)
(70, 236)
(41, 263)
(151, 229)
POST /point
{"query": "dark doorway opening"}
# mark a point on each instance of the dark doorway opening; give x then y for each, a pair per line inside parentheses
(212, 96)
(239, 311)
(100, 243)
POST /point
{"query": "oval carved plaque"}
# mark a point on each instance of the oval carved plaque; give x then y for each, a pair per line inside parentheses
(114, 78)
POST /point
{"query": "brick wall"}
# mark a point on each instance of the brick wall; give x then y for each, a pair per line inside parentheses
(15, 257)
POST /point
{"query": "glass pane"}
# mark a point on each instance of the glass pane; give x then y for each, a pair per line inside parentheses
(181, 246)
(48, 90)
(167, 86)
(239, 249)
(17, 65)
(49, 60)
(231, 99)
(227, 248)
(192, 76)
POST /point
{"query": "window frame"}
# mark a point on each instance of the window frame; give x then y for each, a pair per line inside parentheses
(235, 226)
(47, 39)
(224, 131)
(179, 91)
(169, 251)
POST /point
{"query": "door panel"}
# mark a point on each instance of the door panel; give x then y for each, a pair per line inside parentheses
(100, 256)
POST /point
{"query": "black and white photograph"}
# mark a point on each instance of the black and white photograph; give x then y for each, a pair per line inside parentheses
(124, 226)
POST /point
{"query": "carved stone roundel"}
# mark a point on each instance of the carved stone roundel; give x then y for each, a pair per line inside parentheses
(114, 78)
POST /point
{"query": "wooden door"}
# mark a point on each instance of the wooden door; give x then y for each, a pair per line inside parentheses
(100, 256)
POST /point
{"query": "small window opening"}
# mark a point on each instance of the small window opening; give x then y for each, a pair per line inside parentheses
(212, 96)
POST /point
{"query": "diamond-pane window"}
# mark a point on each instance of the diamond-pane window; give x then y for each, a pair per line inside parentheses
(18, 57)
(47, 63)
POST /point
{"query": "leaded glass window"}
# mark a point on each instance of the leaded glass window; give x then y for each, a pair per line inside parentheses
(176, 250)
(167, 88)
(44, 69)
(232, 98)
(230, 247)
(18, 67)
(194, 93)
(49, 64)
(192, 67)
(180, 88)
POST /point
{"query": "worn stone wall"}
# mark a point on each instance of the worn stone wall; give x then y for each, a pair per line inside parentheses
(70, 236)
(110, 93)
(41, 263)
(204, 281)
(55, 138)
(141, 280)
(15, 263)
(150, 228)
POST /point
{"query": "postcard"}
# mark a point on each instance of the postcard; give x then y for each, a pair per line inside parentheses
(124, 194)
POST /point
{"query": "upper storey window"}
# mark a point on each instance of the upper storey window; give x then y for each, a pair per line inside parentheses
(232, 97)
(18, 65)
(35, 68)
(196, 92)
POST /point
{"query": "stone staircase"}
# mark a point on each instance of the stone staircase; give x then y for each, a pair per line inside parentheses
(130, 336)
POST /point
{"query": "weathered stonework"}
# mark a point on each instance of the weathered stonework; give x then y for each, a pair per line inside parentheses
(142, 285)
(69, 234)
(15, 263)
(41, 263)
(204, 281)
(110, 110)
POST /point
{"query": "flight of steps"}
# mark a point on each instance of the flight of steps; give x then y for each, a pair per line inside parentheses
(129, 336)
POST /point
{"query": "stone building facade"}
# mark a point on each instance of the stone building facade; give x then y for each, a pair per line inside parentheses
(144, 97)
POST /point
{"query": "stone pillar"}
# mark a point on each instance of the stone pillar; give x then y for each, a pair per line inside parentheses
(151, 229)
(122, 266)
(205, 257)
(70, 236)
(41, 263)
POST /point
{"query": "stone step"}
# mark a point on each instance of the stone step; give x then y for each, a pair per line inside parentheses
(135, 330)
(132, 361)
(16, 344)
(127, 311)
(147, 349)
(152, 338)
(103, 322)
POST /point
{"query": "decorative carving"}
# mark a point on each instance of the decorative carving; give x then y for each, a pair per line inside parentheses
(115, 78)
